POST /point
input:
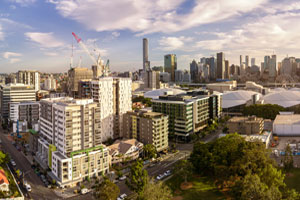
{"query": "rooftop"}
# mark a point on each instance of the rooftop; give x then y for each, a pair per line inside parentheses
(287, 119)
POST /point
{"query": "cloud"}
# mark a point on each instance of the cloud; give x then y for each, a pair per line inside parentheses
(1, 33)
(12, 57)
(8, 55)
(50, 54)
(115, 34)
(146, 16)
(46, 40)
(272, 33)
(173, 43)
(23, 3)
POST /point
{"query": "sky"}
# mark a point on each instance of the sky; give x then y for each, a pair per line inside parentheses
(37, 34)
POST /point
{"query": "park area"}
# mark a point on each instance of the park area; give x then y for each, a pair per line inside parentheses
(196, 188)
(292, 179)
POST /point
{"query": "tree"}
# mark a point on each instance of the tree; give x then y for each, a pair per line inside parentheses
(4, 158)
(138, 177)
(234, 162)
(288, 161)
(266, 111)
(156, 191)
(107, 190)
(184, 169)
(149, 151)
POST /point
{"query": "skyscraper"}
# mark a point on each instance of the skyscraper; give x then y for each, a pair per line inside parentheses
(252, 61)
(194, 70)
(146, 62)
(247, 61)
(227, 70)
(241, 60)
(272, 67)
(266, 63)
(220, 65)
(212, 69)
(171, 65)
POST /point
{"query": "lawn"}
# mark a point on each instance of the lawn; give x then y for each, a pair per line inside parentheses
(203, 188)
(292, 180)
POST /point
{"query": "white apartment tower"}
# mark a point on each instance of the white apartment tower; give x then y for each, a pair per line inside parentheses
(114, 97)
(70, 140)
(29, 78)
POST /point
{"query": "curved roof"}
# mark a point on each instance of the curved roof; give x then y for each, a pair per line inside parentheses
(285, 98)
(154, 94)
(236, 98)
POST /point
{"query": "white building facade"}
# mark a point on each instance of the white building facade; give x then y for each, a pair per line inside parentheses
(70, 140)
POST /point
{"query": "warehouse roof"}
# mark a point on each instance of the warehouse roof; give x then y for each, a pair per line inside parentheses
(236, 98)
(287, 119)
(284, 98)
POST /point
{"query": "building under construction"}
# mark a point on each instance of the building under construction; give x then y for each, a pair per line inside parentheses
(75, 75)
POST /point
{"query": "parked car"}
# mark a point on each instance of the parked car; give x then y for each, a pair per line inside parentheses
(122, 197)
(18, 148)
(27, 187)
(167, 173)
(13, 163)
(159, 177)
(84, 191)
(122, 178)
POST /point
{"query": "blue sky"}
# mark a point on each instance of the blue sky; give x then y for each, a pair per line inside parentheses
(36, 34)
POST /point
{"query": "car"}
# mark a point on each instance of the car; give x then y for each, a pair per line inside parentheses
(122, 178)
(13, 143)
(84, 190)
(159, 177)
(27, 187)
(167, 173)
(122, 197)
(18, 148)
(13, 163)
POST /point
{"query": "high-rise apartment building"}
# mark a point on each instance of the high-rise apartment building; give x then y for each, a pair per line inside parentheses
(75, 75)
(50, 83)
(12, 93)
(151, 79)
(85, 89)
(170, 61)
(148, 128)
(29, 78)
(287, 65)
(247, 61)
(28, 111)
(187, 115)
(220, 66)
(212, 68)
(114, 97)
(146, 62)
(70, 141)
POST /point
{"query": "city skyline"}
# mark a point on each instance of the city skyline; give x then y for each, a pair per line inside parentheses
(189, 29)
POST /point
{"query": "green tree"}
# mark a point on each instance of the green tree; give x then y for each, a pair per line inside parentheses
(288, 161)
(231, 159)
(138, 177)
(149, 151)
(156, 191)
(266, 111)
(4, 158)
(107, 190)
(184, 169)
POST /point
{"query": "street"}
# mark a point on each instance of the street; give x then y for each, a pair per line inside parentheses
(39, 191)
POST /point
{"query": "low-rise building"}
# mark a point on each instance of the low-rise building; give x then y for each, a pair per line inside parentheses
(125, 150)
(148, 128)
(287, 124)
(246, 125)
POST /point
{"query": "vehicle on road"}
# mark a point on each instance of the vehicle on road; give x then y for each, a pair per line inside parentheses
(18, 148)
(27, 187)
(167, 173)
(159, 177)
(13, 163)
(122, 197)
(122, 178)
(84, 190)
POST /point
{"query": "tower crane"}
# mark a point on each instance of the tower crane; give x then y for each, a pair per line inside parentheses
(98, 62)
